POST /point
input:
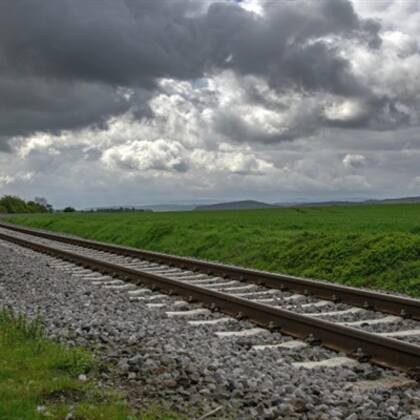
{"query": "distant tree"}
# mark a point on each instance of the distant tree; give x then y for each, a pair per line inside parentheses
(69, 209)
(33, 207)
(13, 204)
(44, 203)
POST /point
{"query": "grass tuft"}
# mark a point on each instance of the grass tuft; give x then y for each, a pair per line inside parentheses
(39, 378)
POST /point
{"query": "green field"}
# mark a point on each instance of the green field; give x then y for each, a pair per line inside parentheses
(374, 246)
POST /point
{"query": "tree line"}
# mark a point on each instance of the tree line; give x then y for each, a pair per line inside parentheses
(14, 204)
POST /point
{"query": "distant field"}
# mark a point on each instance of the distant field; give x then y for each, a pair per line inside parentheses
(374, 246)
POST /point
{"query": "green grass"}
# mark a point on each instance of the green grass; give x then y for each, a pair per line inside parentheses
(39, 378)
(375, 246)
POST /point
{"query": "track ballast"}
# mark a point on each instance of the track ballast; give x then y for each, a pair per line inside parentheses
(267, 299)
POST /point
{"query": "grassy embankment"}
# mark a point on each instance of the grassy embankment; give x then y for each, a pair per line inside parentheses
(375, 246)
(39, 378)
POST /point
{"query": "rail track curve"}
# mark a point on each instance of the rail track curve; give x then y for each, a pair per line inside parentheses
(172, 275)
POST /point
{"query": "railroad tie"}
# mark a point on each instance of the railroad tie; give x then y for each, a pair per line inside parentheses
(293, 298)
(317, 304)
(212, 321)
(383, 384)
(186, 314)
(262, 293)
(200, 282)
(156, 305)
(243, 333)
(347, 311)
(108, 283)
(386, 320)
(219, 285)
(118, 287)
(150, 297)
(139, 292)
(406, 333)
(289, 345)
(240, 288)
(333, 362)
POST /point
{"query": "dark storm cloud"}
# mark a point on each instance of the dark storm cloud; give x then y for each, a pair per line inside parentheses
(282, 46)
(34, 104)
(116, 42)
(4, 144)
(61, 63)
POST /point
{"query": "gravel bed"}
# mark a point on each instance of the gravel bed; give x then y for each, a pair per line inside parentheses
(154, 357)
(402, 325)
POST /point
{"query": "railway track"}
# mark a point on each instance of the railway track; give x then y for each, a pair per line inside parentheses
(366, 325)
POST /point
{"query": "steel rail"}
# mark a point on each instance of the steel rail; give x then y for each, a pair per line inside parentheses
(383, 302)
(357, 343)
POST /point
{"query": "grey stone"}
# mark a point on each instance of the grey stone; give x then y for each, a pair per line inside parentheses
(187, 367)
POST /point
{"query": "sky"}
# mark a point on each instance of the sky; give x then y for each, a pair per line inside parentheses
(131, 102)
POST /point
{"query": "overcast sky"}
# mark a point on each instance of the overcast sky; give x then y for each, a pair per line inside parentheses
(166, 101)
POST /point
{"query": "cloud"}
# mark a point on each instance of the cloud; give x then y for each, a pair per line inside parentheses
(33, 104)
(66, 66)
(230, 160)
(159, 155)
(269, 99)
(354, 161)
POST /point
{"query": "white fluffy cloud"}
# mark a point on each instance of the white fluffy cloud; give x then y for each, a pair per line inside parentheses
(158, 155)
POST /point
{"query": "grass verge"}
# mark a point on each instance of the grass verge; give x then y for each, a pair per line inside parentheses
(40, 378)
(375, 246)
